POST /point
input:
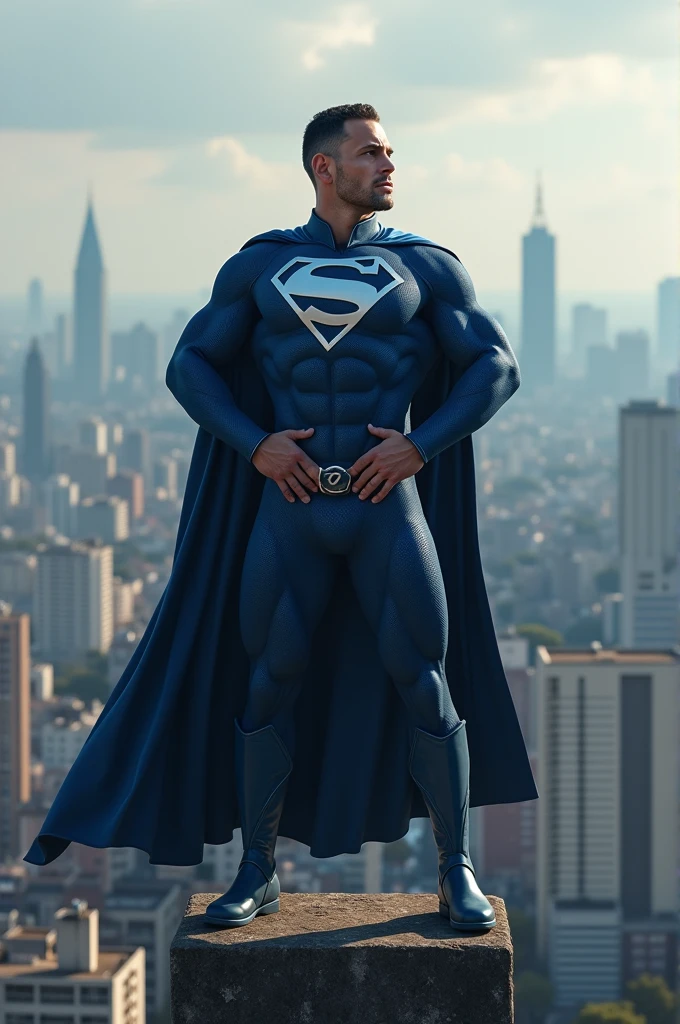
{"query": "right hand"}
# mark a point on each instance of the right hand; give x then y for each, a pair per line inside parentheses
(279, 458)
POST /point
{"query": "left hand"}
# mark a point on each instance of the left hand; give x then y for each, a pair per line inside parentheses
(392, 460)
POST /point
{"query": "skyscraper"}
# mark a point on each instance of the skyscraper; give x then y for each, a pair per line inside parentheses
(73, 600)
(632, 364)
(608, 818)
(15, 729)
(668, 323)
(91, 339)
(537, 355)
(648, 515)
(35, 448)
(34, 310)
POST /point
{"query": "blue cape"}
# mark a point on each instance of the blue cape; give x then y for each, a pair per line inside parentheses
(156, 772)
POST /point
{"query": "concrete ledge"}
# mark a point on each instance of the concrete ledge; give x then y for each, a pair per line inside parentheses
(341, 958)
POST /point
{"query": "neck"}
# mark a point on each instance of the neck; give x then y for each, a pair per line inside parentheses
(341, 217)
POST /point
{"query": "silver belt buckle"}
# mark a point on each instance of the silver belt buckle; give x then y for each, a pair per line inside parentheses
(334, 480)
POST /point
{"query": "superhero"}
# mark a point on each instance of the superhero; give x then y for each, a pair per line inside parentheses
(322, 663)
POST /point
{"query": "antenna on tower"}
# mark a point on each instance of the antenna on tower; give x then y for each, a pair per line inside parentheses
(539, 213)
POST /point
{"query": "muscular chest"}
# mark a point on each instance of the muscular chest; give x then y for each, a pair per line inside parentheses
(360, 306)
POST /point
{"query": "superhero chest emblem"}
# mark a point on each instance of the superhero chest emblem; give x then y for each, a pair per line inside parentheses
(331, 296)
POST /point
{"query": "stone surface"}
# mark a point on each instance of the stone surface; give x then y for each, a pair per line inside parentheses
(341, 958)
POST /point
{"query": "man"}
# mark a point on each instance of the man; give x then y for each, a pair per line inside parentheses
(326, 644)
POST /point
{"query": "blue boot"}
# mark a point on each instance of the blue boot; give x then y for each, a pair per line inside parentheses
(440, 765)
(263, 765)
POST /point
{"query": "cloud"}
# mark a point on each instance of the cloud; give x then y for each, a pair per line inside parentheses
(590, 81)
(349, 25)
(223, 162)
(493, 172)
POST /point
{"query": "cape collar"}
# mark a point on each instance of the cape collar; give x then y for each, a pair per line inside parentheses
(320, 231)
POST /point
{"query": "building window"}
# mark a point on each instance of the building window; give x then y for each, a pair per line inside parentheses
(94, 995)
(56, 994)
(19, 993)
(94, 1020)
(56, 1018)
(19, 1018)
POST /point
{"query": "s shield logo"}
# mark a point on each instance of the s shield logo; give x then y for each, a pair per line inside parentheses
(331, 296)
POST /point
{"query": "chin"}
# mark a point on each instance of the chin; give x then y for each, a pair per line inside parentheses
(383, 202)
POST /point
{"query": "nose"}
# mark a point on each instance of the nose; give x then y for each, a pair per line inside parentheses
(387, 166)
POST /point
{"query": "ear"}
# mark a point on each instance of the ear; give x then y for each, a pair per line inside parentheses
(324, 168)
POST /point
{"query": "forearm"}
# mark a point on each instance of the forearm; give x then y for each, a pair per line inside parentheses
(207, 398)
(478, 394)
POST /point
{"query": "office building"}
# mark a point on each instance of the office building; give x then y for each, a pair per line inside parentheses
(648, 519)
(607, 886)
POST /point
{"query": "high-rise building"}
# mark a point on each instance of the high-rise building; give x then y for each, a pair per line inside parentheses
(601, 376)
(36, 416)
(15, 729)
(588, 327)
(135, 451)
(106, 516)
(90, 470)
(8, 461)
(632, 364)
(607, 890)
(91, 361)
(34, 308)
(139, 352)
(62, 496)
(668, 323)
(537, 354)
(648, 519)
(59, 973)
(73, 605)
(146, 912)
(92, 434)
(129, 485)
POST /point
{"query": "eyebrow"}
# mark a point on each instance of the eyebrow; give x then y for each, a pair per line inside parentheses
(377, 145)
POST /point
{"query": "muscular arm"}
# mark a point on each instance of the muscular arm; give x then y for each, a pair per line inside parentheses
(474, 342)
(208, 343)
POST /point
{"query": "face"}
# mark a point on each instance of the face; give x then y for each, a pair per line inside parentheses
(363, 169)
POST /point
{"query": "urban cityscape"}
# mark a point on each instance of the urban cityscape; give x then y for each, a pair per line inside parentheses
(578, 523)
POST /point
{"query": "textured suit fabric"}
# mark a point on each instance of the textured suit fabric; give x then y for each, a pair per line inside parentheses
(156, 772)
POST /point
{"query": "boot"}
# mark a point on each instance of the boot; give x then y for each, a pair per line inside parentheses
(263, 765)
(440, 765)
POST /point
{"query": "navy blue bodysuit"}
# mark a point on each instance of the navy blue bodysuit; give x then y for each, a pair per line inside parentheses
(343, 336)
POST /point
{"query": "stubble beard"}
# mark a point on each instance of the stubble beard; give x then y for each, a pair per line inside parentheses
(365, 198)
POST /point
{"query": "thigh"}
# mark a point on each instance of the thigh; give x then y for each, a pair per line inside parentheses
(396, 573)
(285, 586)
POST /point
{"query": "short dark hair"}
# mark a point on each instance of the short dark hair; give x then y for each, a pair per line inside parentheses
(326, 130)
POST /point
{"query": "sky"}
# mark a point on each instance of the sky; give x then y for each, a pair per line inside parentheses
(185, 117)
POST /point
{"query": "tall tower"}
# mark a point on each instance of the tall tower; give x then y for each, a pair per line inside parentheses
(35, 453)
(648, 514)
(15, 725)
(607, 852)
(537, 355)
(34, 307)
(90, 330)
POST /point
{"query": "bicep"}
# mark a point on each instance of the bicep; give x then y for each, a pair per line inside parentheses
(217, 331)
(464, 330)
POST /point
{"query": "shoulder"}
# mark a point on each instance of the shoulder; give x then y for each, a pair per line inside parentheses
(236, 277)
(444, 273)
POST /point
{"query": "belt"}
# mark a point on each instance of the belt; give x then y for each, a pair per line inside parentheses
(334, 480)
